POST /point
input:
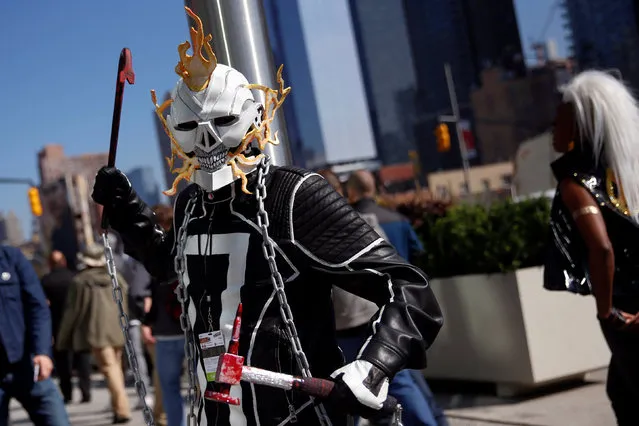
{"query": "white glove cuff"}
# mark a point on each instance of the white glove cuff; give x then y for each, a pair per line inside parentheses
(355, 377)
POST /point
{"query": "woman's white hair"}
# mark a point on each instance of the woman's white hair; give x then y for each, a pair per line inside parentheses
(607, 117)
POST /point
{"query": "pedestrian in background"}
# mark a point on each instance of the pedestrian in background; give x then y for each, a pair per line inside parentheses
(408, 386)
(56, 285)
(91, 321)
(139, 298)
(164, 336)
(25, 344)
(595, 220)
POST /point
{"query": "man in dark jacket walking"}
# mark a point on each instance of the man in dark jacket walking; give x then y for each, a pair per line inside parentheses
(56, 286)
(25, 344)
(408, 386)
(139, 282)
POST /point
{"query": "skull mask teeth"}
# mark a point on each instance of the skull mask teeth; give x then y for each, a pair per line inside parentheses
(212, 160)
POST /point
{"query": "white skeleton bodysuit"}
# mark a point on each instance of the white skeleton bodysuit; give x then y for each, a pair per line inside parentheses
(219, 131)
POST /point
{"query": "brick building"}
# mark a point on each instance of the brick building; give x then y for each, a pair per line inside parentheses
(508, 110)
(70, 218)
(53, 164)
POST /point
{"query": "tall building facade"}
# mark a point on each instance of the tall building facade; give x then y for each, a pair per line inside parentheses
(604, 34)
(53, 164)
(315, 42)
(10, 229)
(389, 72)
(143, 182)
(300, 109)
(421, 37)
(510, 110)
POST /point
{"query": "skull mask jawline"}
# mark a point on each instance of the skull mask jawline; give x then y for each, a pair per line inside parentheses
(212, 123)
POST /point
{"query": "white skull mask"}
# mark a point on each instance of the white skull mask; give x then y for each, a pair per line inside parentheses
(213, 122)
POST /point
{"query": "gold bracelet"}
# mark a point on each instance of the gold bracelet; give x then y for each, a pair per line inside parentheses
(584, 211)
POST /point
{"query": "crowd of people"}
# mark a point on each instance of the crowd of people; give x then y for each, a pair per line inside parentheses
(59, 324)
(85, 325)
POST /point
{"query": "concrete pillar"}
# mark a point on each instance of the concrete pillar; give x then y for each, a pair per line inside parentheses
(240, 40)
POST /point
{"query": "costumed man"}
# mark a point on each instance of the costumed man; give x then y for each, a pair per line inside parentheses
(275, 240)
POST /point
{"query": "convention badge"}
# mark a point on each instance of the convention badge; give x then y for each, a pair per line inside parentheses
(211, 347)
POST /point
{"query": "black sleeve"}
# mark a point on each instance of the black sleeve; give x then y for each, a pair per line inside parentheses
(342, 247)
(151, 316)
(143, 238)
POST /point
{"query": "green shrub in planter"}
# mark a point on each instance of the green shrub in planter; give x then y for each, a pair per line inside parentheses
(473, 239)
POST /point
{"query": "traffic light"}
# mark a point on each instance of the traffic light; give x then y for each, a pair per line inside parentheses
(414, 158)
(34, 200)
(443, 137)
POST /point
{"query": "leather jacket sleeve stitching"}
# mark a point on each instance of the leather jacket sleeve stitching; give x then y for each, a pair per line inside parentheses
(347, 251)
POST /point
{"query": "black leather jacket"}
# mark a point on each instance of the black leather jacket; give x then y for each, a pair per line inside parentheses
(321, 241)
(567, 263)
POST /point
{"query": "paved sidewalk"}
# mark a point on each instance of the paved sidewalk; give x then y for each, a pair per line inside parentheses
(579, 405)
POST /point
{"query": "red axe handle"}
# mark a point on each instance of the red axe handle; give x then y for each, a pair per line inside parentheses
(125, 74)
(320, 388)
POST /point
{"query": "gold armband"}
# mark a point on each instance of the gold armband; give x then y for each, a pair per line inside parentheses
(584, 211)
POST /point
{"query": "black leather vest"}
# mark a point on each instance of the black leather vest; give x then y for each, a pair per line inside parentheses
(567, 262)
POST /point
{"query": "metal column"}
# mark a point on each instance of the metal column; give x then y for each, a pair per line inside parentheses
(240, 40)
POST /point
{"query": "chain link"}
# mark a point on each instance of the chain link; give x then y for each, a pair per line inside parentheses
(185, 321)
(124, 325)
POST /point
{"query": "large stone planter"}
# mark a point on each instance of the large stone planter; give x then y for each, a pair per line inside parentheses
(506, 329)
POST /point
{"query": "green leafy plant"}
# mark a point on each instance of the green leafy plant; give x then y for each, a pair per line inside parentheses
(473, 239)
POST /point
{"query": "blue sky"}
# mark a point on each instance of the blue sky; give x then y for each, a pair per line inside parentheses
(59, 61)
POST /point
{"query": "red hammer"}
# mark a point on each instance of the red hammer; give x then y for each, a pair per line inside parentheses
(231, 370)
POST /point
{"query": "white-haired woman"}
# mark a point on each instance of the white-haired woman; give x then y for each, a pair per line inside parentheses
(595, 219)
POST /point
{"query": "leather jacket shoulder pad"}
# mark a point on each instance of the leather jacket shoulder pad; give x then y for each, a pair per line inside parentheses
(326, 226)
(281, 184)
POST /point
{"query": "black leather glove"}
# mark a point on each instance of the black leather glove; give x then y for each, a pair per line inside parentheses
(360, 389)
(111, 187)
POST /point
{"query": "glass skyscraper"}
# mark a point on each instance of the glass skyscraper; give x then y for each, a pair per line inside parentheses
(143, 182)
(403, 47)
(327, 114)
(300, 108)
(604, 35)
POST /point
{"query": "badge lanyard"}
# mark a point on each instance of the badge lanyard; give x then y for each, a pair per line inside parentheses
(211, 345)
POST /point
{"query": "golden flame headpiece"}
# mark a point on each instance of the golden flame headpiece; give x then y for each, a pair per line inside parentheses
(196, 70)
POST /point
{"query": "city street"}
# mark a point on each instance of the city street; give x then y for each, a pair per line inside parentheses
(583, 405)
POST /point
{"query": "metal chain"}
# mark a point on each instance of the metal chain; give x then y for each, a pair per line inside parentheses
(268, 250)
(124, 325)
(185, 321)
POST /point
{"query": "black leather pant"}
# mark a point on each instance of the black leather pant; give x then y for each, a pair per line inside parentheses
(622, 386)
(64, 363)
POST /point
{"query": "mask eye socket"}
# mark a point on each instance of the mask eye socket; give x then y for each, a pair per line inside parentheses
(185, 127)
(225, 121)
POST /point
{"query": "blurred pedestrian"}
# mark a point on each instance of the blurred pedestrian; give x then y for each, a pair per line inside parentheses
(408, 386)
(91, 321)
(333, 180)
(595, 220)
(25, 344)
(164, 335)
(139, 296)
(56, 285)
